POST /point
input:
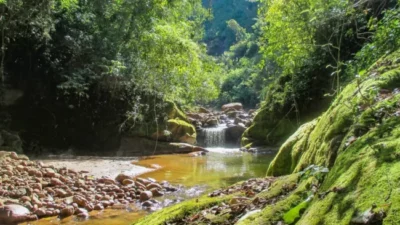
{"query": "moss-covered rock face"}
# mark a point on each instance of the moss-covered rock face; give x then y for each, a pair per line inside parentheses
(290, 152)
(365, 105)
(358, 139)
(267, 130)
(291, 101)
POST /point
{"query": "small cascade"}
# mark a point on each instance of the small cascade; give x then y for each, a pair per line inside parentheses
(214, 137)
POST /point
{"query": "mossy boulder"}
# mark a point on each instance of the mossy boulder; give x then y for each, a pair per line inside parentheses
(267, 129)
(181, 131)
(173, 111)
(176, 128)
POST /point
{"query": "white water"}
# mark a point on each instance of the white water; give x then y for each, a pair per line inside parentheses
(223, 150)
(215, 137)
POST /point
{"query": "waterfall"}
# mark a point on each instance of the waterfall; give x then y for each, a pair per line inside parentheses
(214, 137)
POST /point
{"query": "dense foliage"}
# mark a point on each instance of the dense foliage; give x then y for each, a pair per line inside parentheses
(90, 65)
(227, 16)
(245, 78)
(313, 44)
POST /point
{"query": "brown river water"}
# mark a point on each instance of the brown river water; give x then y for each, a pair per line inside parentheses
(195, 175)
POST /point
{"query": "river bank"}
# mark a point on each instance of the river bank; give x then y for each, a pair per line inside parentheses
(192, 177)
(32, 190)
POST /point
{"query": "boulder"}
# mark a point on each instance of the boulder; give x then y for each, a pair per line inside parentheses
(188, 148)
(196, 116)
(135, 146)
(233, 134)
(196, 154)
(67, 211)
(14, 214)
(239, 120)
(174, 112)
(98, 207)
(128, 182)
(181, 130)
(145, 195)
(153, 185)
(56, 182)
(236, 106)
(153, 131)
(80, 201)
(124, 176)
(223, 117)
(157, 192)
(233, 114)
(203, 110)
(190, 139)
(162, 135)
(212, 122)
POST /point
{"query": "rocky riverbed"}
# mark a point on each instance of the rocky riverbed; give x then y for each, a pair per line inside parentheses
(33, 190)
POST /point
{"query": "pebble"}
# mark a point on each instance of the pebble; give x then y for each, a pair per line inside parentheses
(48, 191)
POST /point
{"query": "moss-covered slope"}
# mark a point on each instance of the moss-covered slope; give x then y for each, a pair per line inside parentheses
(358, 139)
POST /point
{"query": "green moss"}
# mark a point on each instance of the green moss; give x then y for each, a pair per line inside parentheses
(279, 186)
(366, 169)
(290, 152)
(180, 128)
(295, 213)
(273, 213)
(268, 130)
(174, 112)
(246, 142)
(181, 210)
(194, 206)
(368, 172)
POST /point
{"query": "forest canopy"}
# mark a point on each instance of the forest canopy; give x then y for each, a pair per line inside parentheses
(150, 44)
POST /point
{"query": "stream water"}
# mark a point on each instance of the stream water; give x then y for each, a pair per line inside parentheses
(215, 136)
(196, 175)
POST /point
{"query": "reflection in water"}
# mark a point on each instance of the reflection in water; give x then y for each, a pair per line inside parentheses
(214, 170)
(106, 217)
